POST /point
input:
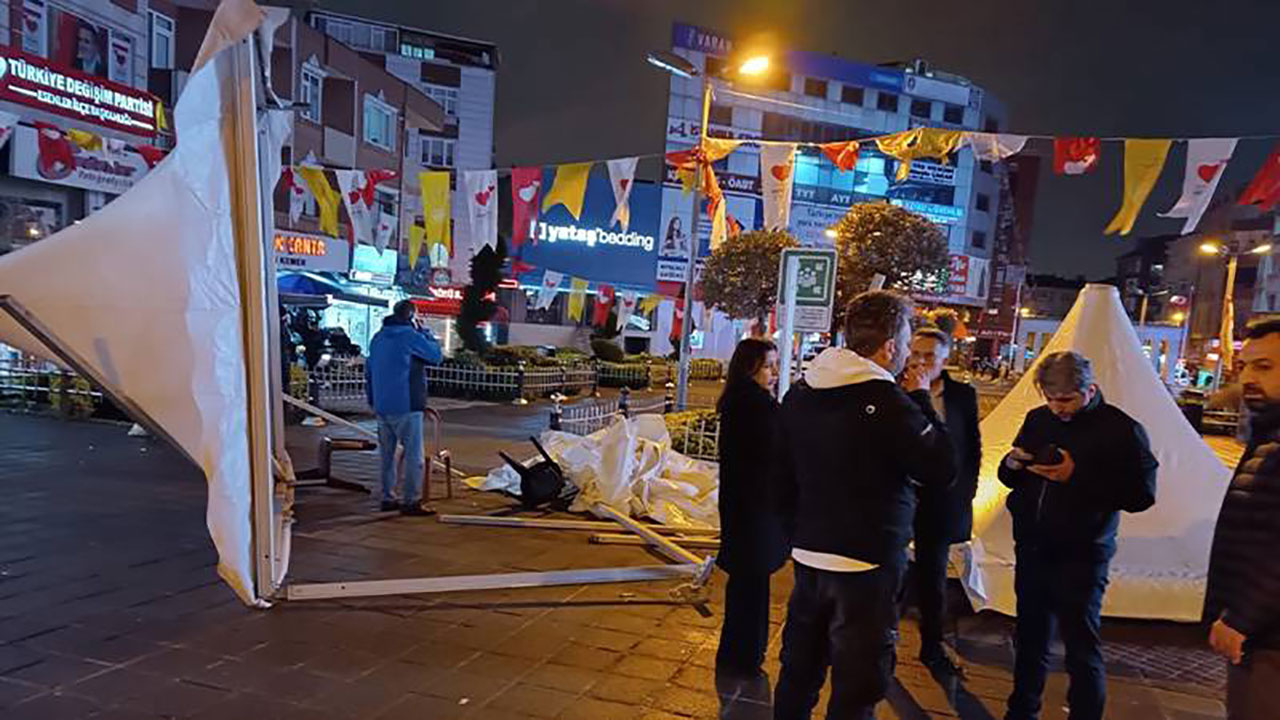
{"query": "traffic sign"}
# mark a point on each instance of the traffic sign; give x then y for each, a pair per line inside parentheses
(815, 291)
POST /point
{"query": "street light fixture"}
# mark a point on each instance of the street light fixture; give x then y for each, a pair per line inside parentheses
(1210, 248)
(1261, 249)
(754, 66)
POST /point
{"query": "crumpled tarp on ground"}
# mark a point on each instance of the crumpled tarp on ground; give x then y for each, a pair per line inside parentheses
(631, 467)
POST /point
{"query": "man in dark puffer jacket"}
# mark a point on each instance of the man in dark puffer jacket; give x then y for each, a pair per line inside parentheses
(1243, 599)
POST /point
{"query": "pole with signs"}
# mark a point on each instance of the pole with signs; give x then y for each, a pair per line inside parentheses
(806, 290)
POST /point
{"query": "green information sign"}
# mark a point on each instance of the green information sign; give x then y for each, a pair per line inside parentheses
(815, 290)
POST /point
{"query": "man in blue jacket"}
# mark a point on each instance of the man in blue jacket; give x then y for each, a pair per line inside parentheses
(396, 388)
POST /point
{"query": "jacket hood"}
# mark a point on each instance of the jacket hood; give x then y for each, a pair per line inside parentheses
(836, 367)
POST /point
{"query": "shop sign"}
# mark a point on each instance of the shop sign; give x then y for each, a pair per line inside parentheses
(809, 223)
(544, 232)
(33, 81)
(687, 130)
(940, 214)
(968, 276)
(729, 182)
(925, 87)
(691, 37)
(370, 266)
(62, 162)
(440, 300)
(932, 173)
(297, 251)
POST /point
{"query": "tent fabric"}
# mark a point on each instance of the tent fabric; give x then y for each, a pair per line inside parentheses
(1160, 568)
(147, 290)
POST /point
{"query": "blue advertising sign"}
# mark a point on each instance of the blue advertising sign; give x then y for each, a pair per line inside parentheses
(846, 71)
(692, 37)
(591, 247)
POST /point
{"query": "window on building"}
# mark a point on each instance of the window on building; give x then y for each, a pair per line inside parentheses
(814, 87)
(437, 152)
(985, 166)
(358, 35)
(887, 102)
(310, 90)
(921, 109)
(953, 114)
(446, 97)
(379, 123)
(979, 239)
(161, 41)
(982, 203)
(780, 82)
(720, 115)
(715, 66)
(851, 95)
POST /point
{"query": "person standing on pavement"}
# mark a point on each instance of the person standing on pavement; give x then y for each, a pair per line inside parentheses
(752, 543)
(396, 388)
(943, 515)
(1243, 597)
(852, 443)
(1075, 465)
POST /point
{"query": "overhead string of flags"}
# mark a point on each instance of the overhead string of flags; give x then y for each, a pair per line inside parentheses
(1144, 161)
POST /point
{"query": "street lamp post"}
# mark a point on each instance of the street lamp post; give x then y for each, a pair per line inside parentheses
(1226, 332)
(680, 67)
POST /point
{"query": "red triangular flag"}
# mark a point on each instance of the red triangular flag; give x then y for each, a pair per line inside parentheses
(843, 154)
(526, 186)
(1076, 155)
(604, 303)
(57, 157)
(371, 180)
(151, 154)
(1264, 189)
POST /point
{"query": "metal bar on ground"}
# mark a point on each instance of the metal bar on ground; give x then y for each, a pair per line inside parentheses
(499, 581)
(555, 524)
(619, 539)
(658, 542)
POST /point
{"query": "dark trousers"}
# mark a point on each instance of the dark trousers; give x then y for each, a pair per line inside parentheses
(930, 583)
(847, 622)
(1070, 592)
(745, 634)
(1253, 687)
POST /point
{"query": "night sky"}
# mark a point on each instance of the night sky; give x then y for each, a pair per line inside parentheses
(573, 84)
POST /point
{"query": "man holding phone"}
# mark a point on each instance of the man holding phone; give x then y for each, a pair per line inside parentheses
(1076, 464)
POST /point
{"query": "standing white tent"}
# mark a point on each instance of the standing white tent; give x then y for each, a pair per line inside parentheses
(162, 299)
(1160, 567)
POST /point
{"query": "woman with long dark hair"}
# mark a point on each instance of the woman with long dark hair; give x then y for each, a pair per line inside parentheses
(752, 543)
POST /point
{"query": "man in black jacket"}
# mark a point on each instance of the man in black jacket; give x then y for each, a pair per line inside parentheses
(944, 515)
(1243, 598)
(851, 442)
(1076, 463)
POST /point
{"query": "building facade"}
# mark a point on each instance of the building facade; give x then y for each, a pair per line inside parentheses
(78, 120)
(460, 75)
(822, 98)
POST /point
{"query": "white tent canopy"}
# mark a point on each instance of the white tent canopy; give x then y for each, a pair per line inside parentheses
(160, 296)
(1161, 564)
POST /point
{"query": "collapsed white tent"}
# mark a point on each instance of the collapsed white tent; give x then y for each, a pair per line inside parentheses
(161, 297)
(1160, 567)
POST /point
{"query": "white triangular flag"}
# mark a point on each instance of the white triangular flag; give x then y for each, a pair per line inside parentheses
(1206, 159)
(481, 188)
(8, 121)
(626, 307)
(351, 185)
(297, 196)
(995, 146)
(777, 165)
(622, 175)
(550, 287)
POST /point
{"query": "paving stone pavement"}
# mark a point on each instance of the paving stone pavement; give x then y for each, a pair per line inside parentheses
(110, 608)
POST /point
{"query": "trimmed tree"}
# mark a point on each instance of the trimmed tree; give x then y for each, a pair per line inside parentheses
(878, 238)
(741, 276)
(486, 273)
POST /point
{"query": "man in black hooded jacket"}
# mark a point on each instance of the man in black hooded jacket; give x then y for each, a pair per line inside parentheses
(1076, 464)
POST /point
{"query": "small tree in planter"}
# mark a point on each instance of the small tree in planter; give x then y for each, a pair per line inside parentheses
(741, 276)
(878, 238)
(486, 273)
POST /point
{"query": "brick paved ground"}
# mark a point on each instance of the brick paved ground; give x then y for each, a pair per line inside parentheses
(109, 608)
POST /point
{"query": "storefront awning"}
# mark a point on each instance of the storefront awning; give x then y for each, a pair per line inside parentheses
(304, 288)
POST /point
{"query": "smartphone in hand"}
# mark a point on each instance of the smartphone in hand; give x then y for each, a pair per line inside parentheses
(1048, 455)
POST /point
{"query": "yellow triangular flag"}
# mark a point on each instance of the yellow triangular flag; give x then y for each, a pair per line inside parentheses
(650, 303)
(1143, 161)
(577, 298)
(417, 236)
(326, 197)
(162, 119)
(921, 142)
(569, 188)
(85, 139)
(435, 209)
